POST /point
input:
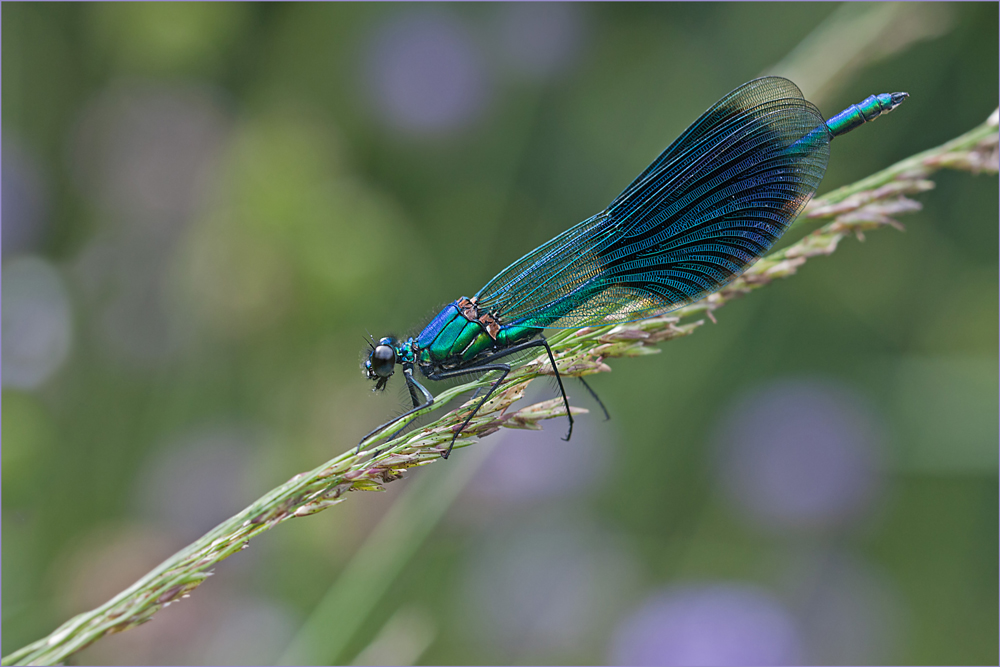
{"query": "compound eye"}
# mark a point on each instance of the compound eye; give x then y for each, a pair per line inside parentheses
(382, 360)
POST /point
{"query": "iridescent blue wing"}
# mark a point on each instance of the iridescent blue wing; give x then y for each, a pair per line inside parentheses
(707, 208)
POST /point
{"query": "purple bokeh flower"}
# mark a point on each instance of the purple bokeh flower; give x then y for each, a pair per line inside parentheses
(25, 199)
(708, 624)
(799, 453)
(544, 585)
(425, 73)
(37, 322)
(525, 467)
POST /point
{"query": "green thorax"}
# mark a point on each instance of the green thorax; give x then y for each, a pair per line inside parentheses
(460, 333)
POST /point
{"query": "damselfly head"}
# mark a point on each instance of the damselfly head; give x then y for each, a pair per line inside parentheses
(381, 362)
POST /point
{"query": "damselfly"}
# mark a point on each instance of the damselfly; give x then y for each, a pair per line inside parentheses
(706, 209)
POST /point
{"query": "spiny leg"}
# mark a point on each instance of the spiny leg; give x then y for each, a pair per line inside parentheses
(417, 390)
(411, 384)
(607, 415)
(541, 342)
(483, 367)
(504, 370)
(392, 421)
(418, 393)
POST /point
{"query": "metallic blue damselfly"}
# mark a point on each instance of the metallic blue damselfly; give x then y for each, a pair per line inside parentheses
(706, 209)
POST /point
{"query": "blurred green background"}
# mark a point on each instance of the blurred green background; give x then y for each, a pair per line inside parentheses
(206, 206)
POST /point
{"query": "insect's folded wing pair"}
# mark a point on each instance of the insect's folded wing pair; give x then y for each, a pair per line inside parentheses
(709, 206)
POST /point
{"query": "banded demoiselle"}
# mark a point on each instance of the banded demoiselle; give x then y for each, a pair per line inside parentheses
(706, 209)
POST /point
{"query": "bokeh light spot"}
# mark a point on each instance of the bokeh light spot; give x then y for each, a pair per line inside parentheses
(526, 467)
(37, 322)
(799, 453)
(707, 625)
(425, 74)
